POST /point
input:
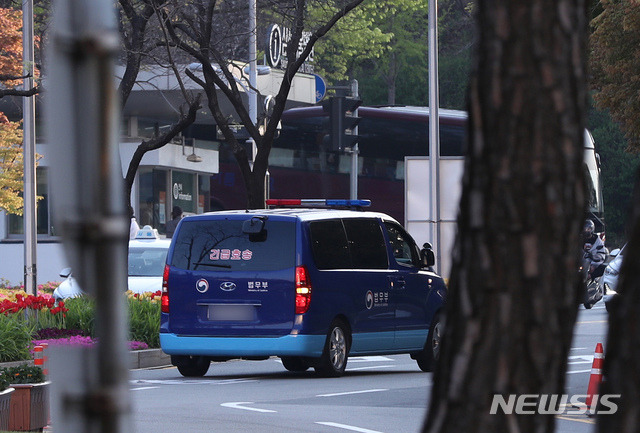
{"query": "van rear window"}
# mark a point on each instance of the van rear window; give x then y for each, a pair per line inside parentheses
(221, 245)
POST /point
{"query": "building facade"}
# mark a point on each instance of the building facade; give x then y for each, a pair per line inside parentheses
(184, 173)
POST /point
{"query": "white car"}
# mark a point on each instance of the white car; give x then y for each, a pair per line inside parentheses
(609, 280)
(147, 257)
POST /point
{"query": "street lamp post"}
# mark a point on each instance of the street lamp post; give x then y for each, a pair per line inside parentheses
(434, 130)
(29, 159)
(253, 74)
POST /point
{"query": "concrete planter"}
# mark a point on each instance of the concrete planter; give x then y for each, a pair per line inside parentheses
(5, 405)
(29, 407)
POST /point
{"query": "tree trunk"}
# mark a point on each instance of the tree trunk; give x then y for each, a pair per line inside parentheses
(623, 342)
(514, 294)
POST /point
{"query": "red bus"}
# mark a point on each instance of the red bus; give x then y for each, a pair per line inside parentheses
(302, 166)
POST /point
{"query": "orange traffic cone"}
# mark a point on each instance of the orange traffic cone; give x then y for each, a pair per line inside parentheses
(596, 375)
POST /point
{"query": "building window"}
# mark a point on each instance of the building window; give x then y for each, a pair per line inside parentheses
(153, 198)
(204, 194)
(43, 211)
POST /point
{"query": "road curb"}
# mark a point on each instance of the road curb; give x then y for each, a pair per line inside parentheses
(147, 358)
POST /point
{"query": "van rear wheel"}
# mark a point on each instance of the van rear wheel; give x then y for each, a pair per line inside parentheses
(295, 363)
(191, 366)
(336, 351)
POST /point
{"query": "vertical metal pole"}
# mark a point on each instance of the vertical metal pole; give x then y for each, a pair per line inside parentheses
(29, 159)
(253, 73)
(83, 127)
(355, 150)
(434, 131)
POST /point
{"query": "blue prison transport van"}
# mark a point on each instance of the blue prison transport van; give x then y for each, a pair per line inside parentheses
(311, 285)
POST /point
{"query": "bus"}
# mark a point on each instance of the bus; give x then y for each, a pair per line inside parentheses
(301, 164)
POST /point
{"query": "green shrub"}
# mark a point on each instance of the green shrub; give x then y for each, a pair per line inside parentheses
(42, 319)
(144, 321)
(4, 382)
(24, 373)
(17, 330)
(15, 338)
(81, 315)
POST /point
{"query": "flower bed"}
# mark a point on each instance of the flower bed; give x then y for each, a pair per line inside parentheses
(27, 320)
(80, 340)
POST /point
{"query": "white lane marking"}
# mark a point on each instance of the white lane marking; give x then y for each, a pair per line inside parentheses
(375, 367)
(190, 381)
(579, 371)
(353, 359)
(144, 387)
(239, 405)
(580, 359)
(578, 348)
(351, 392)
(347, 427)
(369, 359)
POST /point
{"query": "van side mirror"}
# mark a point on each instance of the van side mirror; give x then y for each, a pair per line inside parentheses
(65, 272)
(427, 256)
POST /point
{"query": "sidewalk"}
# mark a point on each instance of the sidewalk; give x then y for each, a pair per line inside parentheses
(148, 358)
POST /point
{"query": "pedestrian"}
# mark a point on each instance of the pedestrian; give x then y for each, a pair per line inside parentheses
(594, 250)
(133, 228)
(176, 216)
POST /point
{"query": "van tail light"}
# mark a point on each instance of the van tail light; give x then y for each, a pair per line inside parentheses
(303, 290)
(164, 299)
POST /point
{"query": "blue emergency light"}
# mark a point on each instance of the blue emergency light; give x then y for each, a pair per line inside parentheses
(317, 202)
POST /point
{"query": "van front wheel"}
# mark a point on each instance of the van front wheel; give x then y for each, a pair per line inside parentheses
(191, 366)
(431, 352)
(336, 351)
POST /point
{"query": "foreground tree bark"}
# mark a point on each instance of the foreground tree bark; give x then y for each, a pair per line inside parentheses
(623, 342)
(513, 290)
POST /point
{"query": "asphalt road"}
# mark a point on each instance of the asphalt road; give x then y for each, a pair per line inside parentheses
(591, 329)
(386, 394)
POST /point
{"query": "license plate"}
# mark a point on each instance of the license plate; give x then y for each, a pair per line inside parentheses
(231, 312)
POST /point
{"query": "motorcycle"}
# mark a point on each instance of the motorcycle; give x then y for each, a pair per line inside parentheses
(592, 286)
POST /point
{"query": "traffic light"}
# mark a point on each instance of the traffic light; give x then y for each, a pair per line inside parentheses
(343, 120)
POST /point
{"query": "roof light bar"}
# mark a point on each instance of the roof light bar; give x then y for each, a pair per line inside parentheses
(317, 202)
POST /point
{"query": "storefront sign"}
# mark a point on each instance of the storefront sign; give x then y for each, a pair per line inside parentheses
(178, 193)
(182, 190)
(277, 40)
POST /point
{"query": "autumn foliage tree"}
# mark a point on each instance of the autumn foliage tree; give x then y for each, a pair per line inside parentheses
(11, 72)
(615, 64)
(10, 47)
(10, 133)
(10, 166)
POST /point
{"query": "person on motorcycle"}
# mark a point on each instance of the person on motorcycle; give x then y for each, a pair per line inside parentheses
(594, 250)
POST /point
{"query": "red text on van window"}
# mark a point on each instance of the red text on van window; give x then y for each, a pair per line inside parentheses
(225, 254)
